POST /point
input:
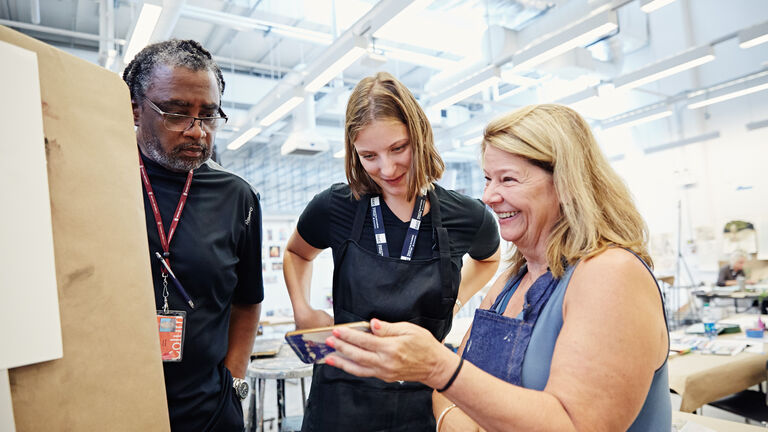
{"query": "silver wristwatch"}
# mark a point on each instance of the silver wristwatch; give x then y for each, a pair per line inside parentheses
(241, 387)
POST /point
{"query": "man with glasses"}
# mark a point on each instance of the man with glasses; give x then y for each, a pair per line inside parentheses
(204, 231)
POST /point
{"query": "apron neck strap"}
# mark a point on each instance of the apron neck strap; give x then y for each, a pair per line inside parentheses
(362, 209)
(443, 244)
(434, 209)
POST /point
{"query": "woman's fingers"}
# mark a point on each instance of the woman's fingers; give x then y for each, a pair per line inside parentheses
(348, 366)
(359, 361)
(383, 328)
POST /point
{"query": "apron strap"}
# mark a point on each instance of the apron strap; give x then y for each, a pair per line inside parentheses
(442, 244)
(502, 300)
(362, 209)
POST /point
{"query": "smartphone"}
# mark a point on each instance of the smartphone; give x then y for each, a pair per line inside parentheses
(309, 344)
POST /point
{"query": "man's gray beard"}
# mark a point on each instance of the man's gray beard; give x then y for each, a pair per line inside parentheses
(167, 161)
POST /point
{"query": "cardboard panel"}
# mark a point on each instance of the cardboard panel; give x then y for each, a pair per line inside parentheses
(110, 377)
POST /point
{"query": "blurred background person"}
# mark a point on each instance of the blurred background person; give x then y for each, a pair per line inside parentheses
(730, 273)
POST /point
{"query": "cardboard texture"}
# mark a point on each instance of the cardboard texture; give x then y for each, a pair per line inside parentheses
(110, 377)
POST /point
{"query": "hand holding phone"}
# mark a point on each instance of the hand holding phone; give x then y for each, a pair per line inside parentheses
(309, 344)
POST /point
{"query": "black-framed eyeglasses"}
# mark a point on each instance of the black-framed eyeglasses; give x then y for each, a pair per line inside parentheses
(181, 122)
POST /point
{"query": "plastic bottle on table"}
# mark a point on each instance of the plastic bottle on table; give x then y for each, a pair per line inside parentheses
(708, 319)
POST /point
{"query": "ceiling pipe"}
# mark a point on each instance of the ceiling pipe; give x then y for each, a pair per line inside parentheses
(221, 60)
(250, 24)
(34, 9)
(60, 32)
(107, 48)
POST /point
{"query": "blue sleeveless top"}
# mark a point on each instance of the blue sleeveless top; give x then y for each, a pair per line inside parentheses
(656, 414)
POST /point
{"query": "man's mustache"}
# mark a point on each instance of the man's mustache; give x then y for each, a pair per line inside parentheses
(193, 146)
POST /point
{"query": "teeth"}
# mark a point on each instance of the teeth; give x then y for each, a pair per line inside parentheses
(505, 215)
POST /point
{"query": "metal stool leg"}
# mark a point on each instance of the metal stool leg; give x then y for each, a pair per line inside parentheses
(252, 419)
(280, 403)
(303, 395)
(260, 413)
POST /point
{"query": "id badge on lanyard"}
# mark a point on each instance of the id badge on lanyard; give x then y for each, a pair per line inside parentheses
(171, 324)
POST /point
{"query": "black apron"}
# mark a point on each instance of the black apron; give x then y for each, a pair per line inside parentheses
(367, 285)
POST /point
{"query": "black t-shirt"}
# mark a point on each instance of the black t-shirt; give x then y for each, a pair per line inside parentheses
(216, 254)
(327, 222)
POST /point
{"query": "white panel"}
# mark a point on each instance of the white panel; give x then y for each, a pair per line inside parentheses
(30, 330)
(6, 407)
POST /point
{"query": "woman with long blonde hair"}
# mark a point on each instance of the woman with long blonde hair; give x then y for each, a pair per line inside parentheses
(573, 336)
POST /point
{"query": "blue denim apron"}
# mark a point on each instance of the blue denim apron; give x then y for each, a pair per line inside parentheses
(497, 344)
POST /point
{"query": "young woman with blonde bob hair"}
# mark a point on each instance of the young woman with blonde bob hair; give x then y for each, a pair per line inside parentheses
(398, 241)
(573, 335)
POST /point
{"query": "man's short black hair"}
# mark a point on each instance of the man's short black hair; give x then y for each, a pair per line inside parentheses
(174, 53)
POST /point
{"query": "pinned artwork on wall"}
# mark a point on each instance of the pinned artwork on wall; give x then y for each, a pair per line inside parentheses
(274, 251)
(739, 235)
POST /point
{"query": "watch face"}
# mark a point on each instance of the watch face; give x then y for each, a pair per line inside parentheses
(241, 389)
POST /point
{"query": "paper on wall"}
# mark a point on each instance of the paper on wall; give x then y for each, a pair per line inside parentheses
(30, 329)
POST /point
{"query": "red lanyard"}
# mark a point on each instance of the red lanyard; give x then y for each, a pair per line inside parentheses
(164, 243)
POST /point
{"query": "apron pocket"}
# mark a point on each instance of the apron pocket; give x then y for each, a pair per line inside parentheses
(341, 402)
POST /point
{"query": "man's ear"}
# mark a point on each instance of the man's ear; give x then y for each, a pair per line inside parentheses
(136, 112)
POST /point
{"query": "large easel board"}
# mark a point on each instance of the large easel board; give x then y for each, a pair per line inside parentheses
(110, 376)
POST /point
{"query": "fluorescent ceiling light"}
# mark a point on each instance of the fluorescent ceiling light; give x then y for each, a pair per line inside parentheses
(294, 99)
(466, 88)
(349, 53)
(250, 24)
(302, 34)
(244, 138)
(731, 91)
(667, 67)
(649, 6)
(753, 36)
(638, 117)
(145, 25)
(757, 125)
(430, 61)
(577, 35)
(682, 142)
